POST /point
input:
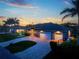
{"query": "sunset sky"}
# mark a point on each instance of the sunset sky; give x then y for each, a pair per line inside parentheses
(35, 10)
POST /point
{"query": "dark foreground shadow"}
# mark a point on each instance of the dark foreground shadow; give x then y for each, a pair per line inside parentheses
(58, 55)
(59, 52)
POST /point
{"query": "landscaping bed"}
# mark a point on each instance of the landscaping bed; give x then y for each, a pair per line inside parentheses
(20, 46)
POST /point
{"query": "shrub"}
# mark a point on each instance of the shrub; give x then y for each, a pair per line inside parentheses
(27, 34)
(53, 45)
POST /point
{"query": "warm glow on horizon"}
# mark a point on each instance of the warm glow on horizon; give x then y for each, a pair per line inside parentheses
(25, 21)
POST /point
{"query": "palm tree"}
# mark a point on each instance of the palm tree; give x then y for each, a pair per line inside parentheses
(11, 22)
(73, 11)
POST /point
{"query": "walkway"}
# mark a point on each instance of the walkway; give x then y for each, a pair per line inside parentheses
(38, 51)
(5, 54)
(41, 49)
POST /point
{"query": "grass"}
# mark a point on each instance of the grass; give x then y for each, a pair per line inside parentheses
(10, 36)
(6, 37)
(20, 46)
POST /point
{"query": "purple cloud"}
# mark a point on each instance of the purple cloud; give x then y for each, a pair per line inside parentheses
(17, 3)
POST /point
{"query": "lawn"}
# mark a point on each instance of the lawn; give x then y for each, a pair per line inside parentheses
(10, 36)
(20, 46)
(7, 37)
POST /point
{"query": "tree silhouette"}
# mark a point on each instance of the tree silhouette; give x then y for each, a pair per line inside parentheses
(72, 11)
(11, 22)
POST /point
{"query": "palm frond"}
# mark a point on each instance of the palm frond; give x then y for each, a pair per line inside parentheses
(72, 11)
(68, 10)
(65, 11)
(73, 14)
(66, 16)
(74, 2)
